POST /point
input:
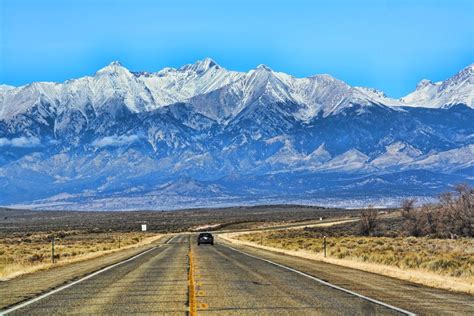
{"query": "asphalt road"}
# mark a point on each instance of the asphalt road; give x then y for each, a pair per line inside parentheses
(225, 282)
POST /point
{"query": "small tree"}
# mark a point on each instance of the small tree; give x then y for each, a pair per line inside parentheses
(368, 222)
(414, 218)
(407, 207)
(429, 219)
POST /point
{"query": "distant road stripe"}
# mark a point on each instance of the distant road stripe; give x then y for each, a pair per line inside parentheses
(36, 299)
(326, 283)
(171, 239)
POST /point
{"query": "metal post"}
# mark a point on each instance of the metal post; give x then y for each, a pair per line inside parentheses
(52, 250)
(261, 239)
(324, 246)
(119, 241)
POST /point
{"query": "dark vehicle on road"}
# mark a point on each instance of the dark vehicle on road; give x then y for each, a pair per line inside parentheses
(205, 238)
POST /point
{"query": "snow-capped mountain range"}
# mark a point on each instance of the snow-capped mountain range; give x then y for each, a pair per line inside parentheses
(204, 135)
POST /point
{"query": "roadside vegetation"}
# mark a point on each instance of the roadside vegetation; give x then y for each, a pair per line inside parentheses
(436, 239)
(27, 252)
(452, 257)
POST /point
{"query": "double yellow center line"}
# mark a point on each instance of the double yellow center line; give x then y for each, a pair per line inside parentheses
(191, 285)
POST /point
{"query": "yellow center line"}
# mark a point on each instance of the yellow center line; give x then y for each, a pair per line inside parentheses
(191, 285)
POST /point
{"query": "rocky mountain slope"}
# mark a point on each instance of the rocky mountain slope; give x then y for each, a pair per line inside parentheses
(204, 135)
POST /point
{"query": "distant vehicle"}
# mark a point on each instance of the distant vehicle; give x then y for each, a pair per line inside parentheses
(205, 238)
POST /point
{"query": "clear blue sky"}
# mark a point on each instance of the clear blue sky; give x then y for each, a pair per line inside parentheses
(389, 45)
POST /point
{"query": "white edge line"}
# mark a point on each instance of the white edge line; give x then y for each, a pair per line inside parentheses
(326, 283)
(172, 238)
(33, 300)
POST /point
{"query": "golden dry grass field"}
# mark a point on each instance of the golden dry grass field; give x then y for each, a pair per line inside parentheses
(28, 252)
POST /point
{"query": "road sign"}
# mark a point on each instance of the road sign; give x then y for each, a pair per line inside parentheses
(143, 227)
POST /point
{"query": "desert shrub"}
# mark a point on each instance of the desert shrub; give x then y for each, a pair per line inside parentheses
(413, 223)
(37, 257)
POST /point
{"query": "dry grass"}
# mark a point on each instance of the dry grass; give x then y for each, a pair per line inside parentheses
(443, 256)
(29, 252)
(442, 263)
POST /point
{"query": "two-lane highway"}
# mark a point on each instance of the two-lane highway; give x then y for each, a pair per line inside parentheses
(226, 281)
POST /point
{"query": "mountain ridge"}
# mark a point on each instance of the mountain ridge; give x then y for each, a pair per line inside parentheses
(235, 137)
(150, 91)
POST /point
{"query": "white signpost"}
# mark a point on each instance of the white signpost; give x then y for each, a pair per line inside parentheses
(143, 227)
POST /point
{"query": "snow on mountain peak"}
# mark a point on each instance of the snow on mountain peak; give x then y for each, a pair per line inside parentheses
(201, 66)
(263, 82)
(209, 62)
(263, 67)
(459, 89)
(143, 91)
(4, 87)
(424, 83)
(113, 67)
(326, 77)
(468, 70)
(115, 63)
(223, 124)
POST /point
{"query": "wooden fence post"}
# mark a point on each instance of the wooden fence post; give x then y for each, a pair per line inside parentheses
(324, 246)
(52, 250)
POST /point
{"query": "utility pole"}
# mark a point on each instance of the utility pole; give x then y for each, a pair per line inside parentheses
(324, 246)
(52, 250)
